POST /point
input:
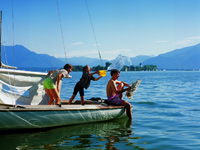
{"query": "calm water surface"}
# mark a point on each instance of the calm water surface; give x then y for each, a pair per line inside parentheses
(166, 109)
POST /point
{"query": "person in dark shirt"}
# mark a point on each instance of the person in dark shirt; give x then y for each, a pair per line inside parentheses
(84, 83)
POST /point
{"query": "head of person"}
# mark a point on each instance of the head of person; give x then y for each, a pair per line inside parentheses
(68, 67)
(115, 74)
(86, 68)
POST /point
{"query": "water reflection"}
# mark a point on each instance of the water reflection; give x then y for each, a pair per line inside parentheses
(115, 134)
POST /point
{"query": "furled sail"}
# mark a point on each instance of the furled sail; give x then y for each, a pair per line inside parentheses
(22, 87)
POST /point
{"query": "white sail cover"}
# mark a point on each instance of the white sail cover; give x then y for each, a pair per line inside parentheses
(22, 87)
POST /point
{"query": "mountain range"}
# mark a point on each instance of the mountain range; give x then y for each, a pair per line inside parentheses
(184, 58)
(19, 56)
(96, 61)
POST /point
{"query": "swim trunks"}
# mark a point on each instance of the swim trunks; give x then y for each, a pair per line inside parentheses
(115, 100)
(78, 88)
(48, 84)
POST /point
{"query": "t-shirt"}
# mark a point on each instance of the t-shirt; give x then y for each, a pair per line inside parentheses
(85, 80)
(57, 72)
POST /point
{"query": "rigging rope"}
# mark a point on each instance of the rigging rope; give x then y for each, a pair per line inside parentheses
(101, 61)
(61, 30)
(13, 30)
(94, 32)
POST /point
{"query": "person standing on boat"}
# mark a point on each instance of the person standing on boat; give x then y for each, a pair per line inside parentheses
(84, 83)
(52, 83)
(115, 91)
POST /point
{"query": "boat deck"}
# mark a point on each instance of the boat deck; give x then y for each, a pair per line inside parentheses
(89, 105)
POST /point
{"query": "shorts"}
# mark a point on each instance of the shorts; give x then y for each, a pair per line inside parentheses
(78, 88)
(48, 84)
(115, 100)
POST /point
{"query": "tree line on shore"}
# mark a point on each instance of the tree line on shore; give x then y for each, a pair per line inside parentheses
(125, 68)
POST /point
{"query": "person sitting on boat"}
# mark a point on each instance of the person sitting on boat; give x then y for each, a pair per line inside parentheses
(84, 83)
(115, 91)
(49, 83)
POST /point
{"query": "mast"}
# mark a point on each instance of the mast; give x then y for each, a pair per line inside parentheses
(0, 34)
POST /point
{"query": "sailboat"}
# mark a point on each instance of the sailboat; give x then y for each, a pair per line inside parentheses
(24, 104)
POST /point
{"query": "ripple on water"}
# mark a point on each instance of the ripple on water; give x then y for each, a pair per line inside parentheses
(165, 117)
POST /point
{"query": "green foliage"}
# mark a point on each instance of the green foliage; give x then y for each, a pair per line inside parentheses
(125, 68)
(132, 68)
(96, 68)
(107, 65)
(150, 67)
(140, 68)
(77, 68)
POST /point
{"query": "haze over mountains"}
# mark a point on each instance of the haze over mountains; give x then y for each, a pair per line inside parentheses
(19, 56)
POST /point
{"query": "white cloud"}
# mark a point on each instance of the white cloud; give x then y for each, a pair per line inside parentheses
(188, 40)
(94, 53)
(183, 42)
(161, 41)
(119, 51)
(193, 38)
(77, 43)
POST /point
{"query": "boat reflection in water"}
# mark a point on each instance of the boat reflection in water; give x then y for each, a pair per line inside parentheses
(116, 134)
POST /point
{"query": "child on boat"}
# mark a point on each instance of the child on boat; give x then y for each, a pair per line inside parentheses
(54, 76)
(115, 91)
(84, 83)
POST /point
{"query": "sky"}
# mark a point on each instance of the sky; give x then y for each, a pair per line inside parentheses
(112, 27)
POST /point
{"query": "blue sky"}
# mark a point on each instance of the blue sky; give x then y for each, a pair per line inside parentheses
(127, 27)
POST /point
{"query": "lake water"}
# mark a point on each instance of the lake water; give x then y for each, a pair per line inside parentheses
(166, 109)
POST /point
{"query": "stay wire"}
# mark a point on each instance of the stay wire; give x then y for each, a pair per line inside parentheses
(94, 32)
(61, 31)
(101, 61)
(13, 30)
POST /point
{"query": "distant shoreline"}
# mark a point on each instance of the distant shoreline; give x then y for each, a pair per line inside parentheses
(46, 69)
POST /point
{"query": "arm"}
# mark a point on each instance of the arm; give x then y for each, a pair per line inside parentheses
(96, 79)
(96, 72)
(126, 89)
(59, 77)
(122, 90)
(125, 84)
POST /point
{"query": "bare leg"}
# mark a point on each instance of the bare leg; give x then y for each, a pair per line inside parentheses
(125, 103)
(50, 96)
(128, 109)
(54, 93)
(82, 100)
(120, 87)
(71, 99)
